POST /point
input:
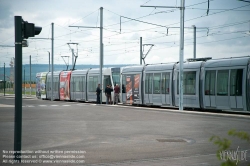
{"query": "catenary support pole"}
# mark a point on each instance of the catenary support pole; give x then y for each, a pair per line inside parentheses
(4, 79)
(181, 54)
(30, 74)
(72, 57)
(24, 81)
(49, 61)
(52, 61)
(18, 88)
(194, 41)
(101, 50)
(140, 50)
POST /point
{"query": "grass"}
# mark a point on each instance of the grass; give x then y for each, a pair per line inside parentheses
(27, 92)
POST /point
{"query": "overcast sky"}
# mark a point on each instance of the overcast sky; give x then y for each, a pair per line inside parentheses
(228, 22)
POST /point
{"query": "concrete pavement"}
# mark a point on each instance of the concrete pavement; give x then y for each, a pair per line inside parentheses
(120, 135)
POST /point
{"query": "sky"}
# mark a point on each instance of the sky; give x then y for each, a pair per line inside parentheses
(221, 32)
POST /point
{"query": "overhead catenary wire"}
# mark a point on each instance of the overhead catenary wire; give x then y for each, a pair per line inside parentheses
(86, 40)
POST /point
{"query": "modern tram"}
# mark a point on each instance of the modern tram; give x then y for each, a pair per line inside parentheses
(80, 85)
(208, 84)
(40, 85)
(214, 84)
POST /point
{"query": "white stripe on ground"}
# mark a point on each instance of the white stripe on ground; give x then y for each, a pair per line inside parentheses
(5, 105)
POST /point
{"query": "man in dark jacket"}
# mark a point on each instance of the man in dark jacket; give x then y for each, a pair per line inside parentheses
(108, 93)
(98, 92)
(106, 90)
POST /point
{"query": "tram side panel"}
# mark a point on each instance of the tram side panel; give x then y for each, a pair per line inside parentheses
(65, 85)
(157, 84)
(48, 86)
(131, 79)
(91, 87)
(131, 85)
(38, 85)
(93, 81)
(191, 95)
(78, 84)
(55, 85)
(43, 86)
(225, 85)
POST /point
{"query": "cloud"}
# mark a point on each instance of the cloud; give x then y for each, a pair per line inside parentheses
(6, 16)
(124, 48)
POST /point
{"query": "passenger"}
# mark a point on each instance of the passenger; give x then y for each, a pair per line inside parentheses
(109, 90)
(106, 90)
(116, 95)
(98, 92)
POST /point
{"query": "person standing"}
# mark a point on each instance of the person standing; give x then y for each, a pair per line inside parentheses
(116, 95)
(98, 92)
(106, 90)
(109, 90)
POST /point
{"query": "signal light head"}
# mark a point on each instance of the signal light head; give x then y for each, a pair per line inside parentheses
(30, 30)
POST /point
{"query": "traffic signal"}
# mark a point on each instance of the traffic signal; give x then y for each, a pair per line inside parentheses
(30, 30)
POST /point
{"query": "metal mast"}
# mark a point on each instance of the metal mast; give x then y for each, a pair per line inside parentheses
(101, 49)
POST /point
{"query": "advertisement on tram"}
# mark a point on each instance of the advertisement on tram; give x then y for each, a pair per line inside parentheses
(65, 85)
(132, 88)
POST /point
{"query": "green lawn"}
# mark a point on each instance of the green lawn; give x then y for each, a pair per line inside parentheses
(12, 92)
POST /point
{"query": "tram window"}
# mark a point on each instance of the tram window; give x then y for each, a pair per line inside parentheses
(148, 83)
(222, 82)
(93, 82)
(107, 81)
(157, 83)
(210, 82)
(116, 78)
(72, 84)
(236, 82)
(77, 84)
(82, 84)
(48, 84)
(55, 87)
(165, 83)
(189, 82)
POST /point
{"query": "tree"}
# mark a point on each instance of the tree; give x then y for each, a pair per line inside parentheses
(230, 158)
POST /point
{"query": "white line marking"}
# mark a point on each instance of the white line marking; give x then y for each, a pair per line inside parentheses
(188, 112)
(5, 105)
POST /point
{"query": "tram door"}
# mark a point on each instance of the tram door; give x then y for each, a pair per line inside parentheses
(148, 88)
(236, 99)
(165, 88)
(210, 88)
(222, 90)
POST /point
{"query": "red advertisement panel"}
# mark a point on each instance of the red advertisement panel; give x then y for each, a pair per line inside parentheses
(65, 85)
(132, 88)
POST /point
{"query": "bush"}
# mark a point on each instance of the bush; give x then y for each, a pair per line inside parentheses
(231, 158)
